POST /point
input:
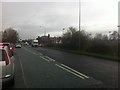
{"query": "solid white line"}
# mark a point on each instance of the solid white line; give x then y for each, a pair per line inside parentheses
(44, 59)
(69, 71)
(75, 71)
(23, 75)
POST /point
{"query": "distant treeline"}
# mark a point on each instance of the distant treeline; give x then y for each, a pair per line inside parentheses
(85, 42)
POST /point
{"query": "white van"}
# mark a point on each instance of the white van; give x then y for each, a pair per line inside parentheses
(35, 43)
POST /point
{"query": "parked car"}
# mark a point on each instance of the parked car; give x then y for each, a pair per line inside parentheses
(10, 46)
(7, 64)
(18, 45)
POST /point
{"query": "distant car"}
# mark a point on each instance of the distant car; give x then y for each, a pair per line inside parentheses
(18, 45)
(26, 43)
(7, 64)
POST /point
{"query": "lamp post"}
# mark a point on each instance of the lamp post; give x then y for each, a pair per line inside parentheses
(118, 39)
(79, 21)
(118, 32)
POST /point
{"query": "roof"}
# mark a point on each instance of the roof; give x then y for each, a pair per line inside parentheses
(4, 44)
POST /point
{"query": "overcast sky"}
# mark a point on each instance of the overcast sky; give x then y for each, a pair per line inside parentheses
(31, 18)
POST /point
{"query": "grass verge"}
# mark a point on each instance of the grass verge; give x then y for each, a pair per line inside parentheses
(107, 57)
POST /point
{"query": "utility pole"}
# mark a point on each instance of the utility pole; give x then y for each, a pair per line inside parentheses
(79, 21)
(118, 39)
(118, 32)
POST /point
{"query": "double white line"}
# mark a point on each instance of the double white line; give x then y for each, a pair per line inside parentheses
(46, 58)
(70, 70)
(33, 52)
(26, 49)
(62, 66)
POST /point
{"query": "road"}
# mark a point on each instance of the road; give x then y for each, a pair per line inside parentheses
(47, 68)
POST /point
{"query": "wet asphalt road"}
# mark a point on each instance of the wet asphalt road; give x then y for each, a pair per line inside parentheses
(47, 68)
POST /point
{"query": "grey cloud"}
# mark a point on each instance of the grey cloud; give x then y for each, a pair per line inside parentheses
(28, 17)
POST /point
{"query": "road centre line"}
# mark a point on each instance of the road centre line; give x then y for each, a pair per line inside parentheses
(33, 52)
(69, 71)
(44, 59)
(49, 58)
(27, 50)
(36, 54)
(75, 71)
(41, 55)
(62, 66)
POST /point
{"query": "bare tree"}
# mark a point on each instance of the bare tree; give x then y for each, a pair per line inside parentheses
(70, 39)
(10, 35)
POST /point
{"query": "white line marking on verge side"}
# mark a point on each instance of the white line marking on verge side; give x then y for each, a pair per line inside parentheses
(23, 75)
(44, 59)
(70, 71)
(75, 71)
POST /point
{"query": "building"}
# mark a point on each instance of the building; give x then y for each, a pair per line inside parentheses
(47, 40)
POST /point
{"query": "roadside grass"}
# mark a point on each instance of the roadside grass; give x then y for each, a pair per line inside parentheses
(107, 57)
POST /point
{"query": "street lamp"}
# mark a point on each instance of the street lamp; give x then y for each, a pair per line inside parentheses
(79, 20)
(118, 32)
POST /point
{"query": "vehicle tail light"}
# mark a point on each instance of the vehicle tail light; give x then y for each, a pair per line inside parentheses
(11, 48)
(6, 57)
(1, 44)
